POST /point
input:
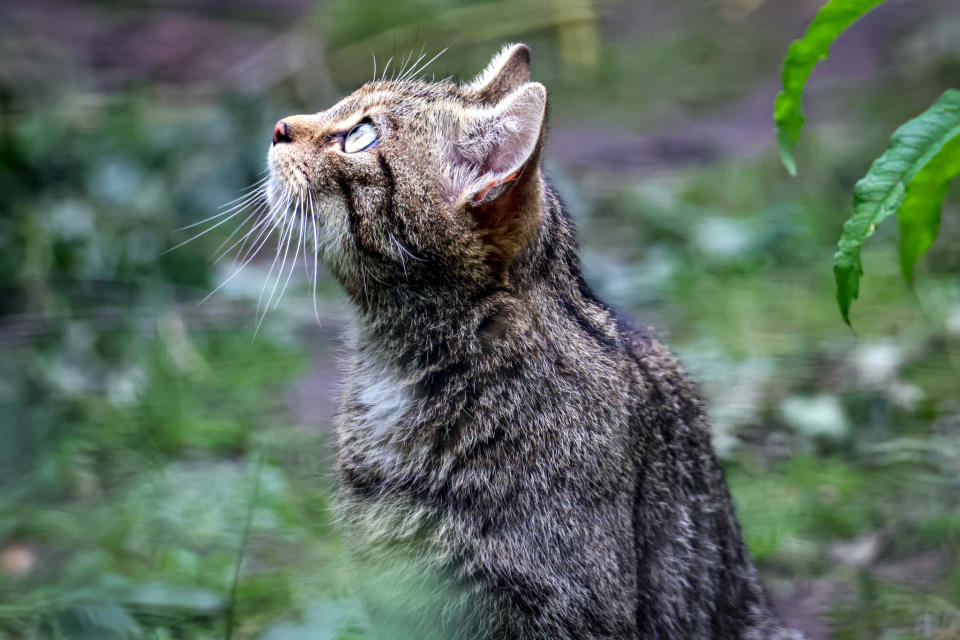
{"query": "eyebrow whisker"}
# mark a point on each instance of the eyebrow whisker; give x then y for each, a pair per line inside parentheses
(428, 63)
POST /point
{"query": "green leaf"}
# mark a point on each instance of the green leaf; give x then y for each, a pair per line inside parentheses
(919, 214)
(912, 172)
(832, 20)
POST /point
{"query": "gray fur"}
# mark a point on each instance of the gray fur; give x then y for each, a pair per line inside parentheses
(514, 459)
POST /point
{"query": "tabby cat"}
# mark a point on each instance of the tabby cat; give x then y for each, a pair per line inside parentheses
(515, 460)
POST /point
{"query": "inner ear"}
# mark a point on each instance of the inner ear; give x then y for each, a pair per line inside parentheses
(508, 70)
(497, 145)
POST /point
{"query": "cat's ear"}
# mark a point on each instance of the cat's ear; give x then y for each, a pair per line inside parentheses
(498, 146)
(494, 172)
(508, 70)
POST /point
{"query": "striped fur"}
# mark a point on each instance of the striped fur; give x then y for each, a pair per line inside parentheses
(514, 459)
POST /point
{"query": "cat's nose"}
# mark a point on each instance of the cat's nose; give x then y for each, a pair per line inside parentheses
(281, 132)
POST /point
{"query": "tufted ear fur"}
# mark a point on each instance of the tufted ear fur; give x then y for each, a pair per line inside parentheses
(494, 173)
(508, 70)
(497, 144)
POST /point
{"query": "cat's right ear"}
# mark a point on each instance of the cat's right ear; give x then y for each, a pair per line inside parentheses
(508, 70)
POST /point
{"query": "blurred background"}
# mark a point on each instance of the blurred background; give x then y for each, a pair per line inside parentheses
(165, 474)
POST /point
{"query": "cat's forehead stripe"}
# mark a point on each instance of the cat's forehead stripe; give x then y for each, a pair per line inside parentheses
(349, 111)
(355, 106)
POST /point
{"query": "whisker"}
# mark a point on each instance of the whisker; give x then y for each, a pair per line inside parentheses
(407, 75)
(273, 223)
(402, 260)
(366, 294)
(265, 233)
(263, 315)
(296, 254)
(429, 62)
(383, 76)
(246, 191)
(247, 200)
(276, 256)
(265, 220)
(403, 67)
(204, 232)
(304, 229)
(196, 224)
(316, 256)
(240, 226)
(379, 280)
(286, 239)
(407, 251)
(238, 269)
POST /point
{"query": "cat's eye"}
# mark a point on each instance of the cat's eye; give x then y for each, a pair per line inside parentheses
(360, 137)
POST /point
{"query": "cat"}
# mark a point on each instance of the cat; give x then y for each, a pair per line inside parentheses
(515, 460)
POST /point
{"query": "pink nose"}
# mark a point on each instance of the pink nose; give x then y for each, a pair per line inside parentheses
(281, 132)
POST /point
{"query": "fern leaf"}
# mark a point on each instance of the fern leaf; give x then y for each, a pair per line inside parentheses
(803, 54)
(910, 178)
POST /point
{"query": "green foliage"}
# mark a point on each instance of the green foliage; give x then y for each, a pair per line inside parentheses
(803, 54)
(911, 178)
(801, 503)
(919, 215)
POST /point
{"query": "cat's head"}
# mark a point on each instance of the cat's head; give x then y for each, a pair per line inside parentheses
(407, 181)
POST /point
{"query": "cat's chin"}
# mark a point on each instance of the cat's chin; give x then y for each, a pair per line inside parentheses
(277, 192)
(284, 190)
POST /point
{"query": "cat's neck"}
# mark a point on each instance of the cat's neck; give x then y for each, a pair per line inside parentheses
(423, 327)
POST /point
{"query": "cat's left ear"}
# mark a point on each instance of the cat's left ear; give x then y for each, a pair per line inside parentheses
(494, 168)
(499, 146)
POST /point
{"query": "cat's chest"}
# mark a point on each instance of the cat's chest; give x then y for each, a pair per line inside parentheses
(382, 401)
(384, 421)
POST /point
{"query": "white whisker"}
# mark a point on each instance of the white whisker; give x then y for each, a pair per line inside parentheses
(316, 256)
(403, 67)
(305, 229)
(379, 280)
(407, 74)
(265, 220)
(280, 239)
(407, 251)
(204, 232)
(366, 294)
(428, 63)
(265, 233)
(246, 191)
(286, 238)
(296, 253)
(195, 224)
(275, 217)
(246, 201)
(240, 226)
(402, 260)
